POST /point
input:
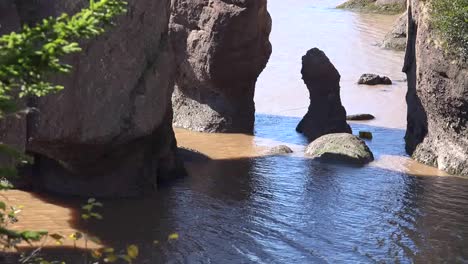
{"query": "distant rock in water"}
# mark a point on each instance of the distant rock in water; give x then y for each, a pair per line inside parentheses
(326, 114)
(365, 134)
(396, 38)
(360, 117)
(341, 147)
(279, 150)
(374, 79)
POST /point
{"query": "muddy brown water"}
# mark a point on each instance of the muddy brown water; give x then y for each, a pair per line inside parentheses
(241, 206)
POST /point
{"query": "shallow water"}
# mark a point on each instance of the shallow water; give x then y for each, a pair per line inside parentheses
(350, 40)
(241, 206)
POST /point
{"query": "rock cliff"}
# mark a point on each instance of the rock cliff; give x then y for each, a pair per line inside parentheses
(437, 132)
(109, 132)
(221, 47)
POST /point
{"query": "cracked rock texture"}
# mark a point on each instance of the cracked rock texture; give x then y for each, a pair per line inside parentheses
(437, 131)
(221, 48)
(109, 132)
(396, 38)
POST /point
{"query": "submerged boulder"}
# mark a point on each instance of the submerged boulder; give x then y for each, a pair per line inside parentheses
(221, 48)
(279, 150)
(326, 114)
(374, 79)
(340, 147)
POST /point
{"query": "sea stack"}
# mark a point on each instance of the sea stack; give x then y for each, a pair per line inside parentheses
(326, 114)
(221, 47)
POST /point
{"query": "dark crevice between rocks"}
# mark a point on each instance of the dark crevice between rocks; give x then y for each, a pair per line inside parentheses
(417, 124)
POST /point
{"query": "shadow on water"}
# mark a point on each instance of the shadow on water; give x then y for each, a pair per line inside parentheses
(290, 209)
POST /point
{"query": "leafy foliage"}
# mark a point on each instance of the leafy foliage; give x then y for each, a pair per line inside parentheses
(27, 60)
(450, 19)
(29, 57)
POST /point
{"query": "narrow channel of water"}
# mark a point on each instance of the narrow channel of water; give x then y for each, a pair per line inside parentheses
(240, 206)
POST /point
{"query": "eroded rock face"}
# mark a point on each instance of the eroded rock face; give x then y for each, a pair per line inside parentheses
(326, 114)
(437, 132)
(109, 132)
(396, 38)
(221, 47)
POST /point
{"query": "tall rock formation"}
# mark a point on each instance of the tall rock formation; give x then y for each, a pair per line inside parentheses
(109, 133)
(437, 132)
(326, 114)
(221, 47)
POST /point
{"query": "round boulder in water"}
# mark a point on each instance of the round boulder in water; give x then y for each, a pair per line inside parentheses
(340, 147)
(279, 150)
(374, 79)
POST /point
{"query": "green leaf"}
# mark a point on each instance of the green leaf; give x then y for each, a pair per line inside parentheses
(85, 216)
(110, 258)
(87, 207)
(97, 216)
(33, 235)
(132, 251)
(173, 236)
(76, 236)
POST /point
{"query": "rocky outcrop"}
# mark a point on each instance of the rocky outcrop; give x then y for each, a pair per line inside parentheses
(396, 38)
(221, 47)
(341, 147)
(390, 2)
(437, 132)
(326, 114)
(374, 79)
(375, 6)
(109, 133)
